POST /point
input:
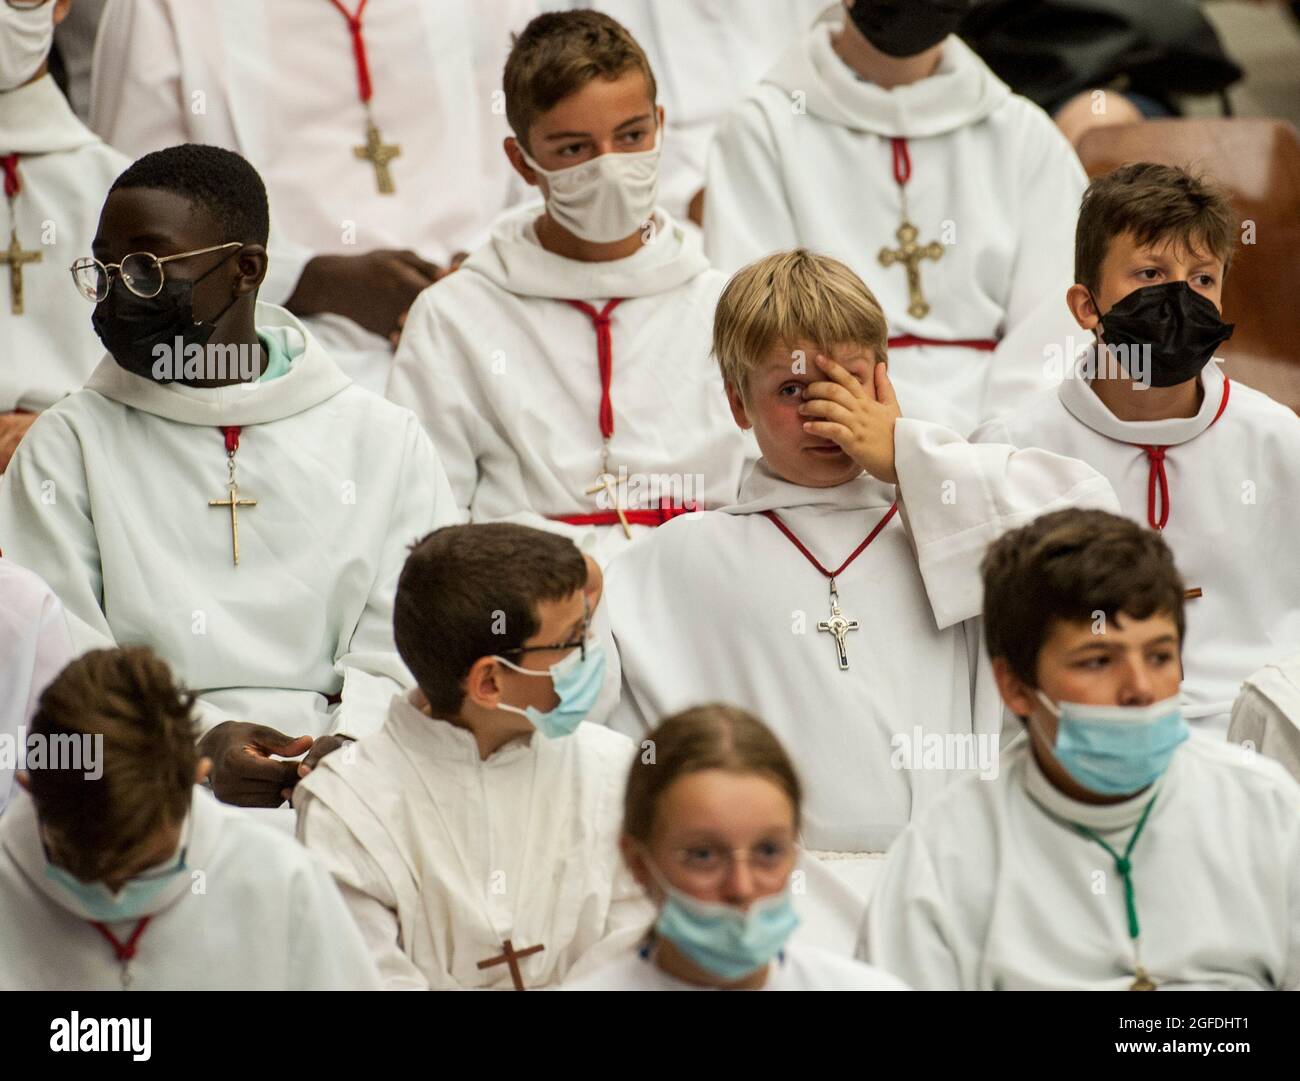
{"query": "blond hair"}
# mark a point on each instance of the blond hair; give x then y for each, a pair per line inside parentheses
(789, 297)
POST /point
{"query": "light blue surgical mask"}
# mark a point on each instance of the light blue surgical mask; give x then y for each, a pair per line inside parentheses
(727, 941)
(1116, 750)
(577, 682)
(135, 899)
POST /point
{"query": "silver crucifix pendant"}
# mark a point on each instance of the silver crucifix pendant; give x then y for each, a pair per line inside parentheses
(838, 627)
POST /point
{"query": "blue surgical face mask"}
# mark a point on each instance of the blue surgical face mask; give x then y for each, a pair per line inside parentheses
(727, 941)
(1116, 750)
(135, 899)
(577, 683)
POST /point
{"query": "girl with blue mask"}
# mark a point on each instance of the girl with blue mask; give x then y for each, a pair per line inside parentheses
(710, 830)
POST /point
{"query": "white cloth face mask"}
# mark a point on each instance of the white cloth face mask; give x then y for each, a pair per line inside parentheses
(26, 36)
(605, 199)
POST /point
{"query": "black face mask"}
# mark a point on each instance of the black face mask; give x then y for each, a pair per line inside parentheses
(1182, 328)
(907, 27)
(132, 327)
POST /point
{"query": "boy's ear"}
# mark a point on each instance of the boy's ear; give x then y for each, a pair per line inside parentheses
(516, 155)
(480, 684)
(738, 411)
(1019, 697)
(1082, 306)
(252, 264)
(659, 111)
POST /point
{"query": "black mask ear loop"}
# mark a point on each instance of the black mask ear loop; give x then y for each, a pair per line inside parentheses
(220, 263)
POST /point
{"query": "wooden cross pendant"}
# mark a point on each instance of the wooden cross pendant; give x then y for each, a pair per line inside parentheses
(1193, 593)
(910, 254)
(511, 957)
(379, 154)
(838, 626)
(234, 503)
(606, 481)
(15, 257)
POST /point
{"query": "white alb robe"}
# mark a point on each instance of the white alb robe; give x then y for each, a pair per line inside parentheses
(798, 968)
(723, 607)
(504, 376)
(443, 856)
(806, 160)
(1234, 514)
(107, 499)
(277, 83)
(993, 889)
(65, 172)
(254, 911)
(1267, 713)
(34, 648)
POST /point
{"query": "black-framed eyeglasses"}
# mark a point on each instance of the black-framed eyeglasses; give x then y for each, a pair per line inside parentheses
(141, 271)
(581, 643)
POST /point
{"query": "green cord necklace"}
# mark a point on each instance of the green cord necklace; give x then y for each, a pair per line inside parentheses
(1124, 868)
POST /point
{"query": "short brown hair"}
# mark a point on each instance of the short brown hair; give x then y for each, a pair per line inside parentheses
(1069, 565)
(560, 52)
(713, 736)
(126, 698)
(1154, 204)
(793, 296)
(471, 591)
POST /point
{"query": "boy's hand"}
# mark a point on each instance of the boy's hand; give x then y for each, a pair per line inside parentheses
(860, 419)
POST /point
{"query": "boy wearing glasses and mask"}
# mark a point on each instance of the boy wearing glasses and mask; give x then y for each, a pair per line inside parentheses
(475, 836)
(1113, 851)
(54, 172)
(881, 139)
(219, 490)
(1204, 460)
(563, 370)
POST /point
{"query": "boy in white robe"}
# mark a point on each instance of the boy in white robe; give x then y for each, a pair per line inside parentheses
(563, 371)
(116, 872)
(361, 224)
(219, 490)
(475, 835)
(720, 785)
(1209, 462)
(882, 140)
(1266, 715)
(1112, 852)
(732, 607)
(34, 648)
(54, 172)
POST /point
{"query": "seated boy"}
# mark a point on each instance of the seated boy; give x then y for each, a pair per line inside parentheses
(219, 490)
(804, 600)
(1212, 464)
(881, 139)
(475, 836)
(563, 371)
(1266, 715)
(1112, 851)
(116, 872)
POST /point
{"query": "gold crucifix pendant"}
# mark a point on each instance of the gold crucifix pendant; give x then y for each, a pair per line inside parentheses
(1141, 981)
(607, 482)
(909, 253)
(379, 154)
(16, 258)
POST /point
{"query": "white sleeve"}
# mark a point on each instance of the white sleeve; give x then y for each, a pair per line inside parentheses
(46, 526)
(629, 918)
(326, 950)
(1257, 720)
(364, 890)
(908, 930)
(957, 497)
(136, 98)
(424, 380)
(371, 668)
(747, 211)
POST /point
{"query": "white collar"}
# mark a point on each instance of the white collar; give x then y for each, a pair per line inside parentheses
(1081, 401)
(429, 737)
(37, 119)
(1102, 817)
(761, 490)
